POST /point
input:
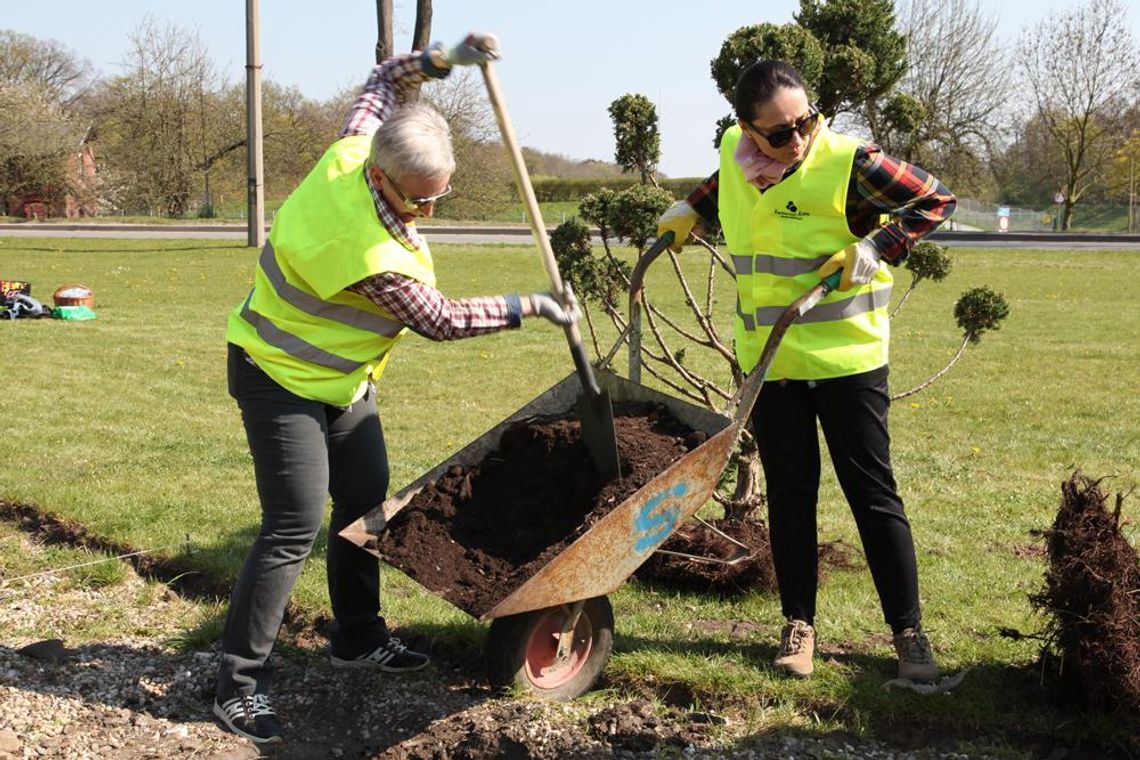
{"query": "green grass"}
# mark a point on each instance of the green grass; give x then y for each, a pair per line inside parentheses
(124, 424)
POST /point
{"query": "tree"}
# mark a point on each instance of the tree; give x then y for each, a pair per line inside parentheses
(44, 64)
(36, 138)
(637, 141)
(864, 55)
(848, 53)
(947, 111)
(482, 179)
(157, 118)
(421, 33)
(1079, 66)
(745, 46)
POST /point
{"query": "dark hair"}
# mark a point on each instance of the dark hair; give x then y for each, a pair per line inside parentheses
(759, 83)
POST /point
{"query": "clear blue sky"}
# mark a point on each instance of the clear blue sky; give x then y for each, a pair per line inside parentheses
(563, 62)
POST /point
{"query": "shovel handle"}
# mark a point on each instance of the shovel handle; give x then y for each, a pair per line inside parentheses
(537, 226)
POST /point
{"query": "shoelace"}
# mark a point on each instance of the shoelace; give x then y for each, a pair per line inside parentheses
(256, 705)
(794, 643)
(394, 645)
(916, 648)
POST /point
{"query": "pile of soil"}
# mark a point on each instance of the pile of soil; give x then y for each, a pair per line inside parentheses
(1092, 600)
(756, 572)
(479, 532)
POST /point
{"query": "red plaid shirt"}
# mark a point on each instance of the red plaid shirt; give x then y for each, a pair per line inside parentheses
(916, 201)
(424, 309)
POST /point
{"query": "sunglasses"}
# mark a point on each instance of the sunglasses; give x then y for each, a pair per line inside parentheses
(780, 137)
(412, 203)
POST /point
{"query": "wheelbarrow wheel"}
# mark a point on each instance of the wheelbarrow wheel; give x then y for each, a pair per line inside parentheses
(523, 650)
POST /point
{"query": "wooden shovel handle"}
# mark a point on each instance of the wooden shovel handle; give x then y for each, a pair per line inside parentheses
(526, 191)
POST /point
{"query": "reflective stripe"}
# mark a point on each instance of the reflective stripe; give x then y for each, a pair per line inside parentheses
(862, 303)
(778, 265)
(292, 345)
(299, 299)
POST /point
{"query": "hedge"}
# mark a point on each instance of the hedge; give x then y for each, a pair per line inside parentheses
(557, 189)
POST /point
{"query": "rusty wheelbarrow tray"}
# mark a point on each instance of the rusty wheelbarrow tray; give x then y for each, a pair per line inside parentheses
(553, 634)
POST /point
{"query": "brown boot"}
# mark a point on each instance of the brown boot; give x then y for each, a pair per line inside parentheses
(797, 645)
(916, 660)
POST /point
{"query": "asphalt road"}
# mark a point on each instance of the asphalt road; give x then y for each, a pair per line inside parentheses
(517, 235)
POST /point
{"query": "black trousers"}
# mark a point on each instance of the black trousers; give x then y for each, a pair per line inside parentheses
(303, 452)
(853, 414)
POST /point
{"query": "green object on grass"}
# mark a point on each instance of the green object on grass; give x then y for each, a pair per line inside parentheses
(73, 313)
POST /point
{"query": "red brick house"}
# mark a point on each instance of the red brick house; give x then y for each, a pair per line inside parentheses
(78, 199)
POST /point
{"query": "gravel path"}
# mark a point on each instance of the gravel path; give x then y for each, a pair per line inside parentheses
(91, 673)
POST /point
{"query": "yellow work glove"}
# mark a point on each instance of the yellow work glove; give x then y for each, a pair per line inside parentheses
(859, 262)
(680, 218)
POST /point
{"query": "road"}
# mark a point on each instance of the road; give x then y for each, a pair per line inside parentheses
(517, 235)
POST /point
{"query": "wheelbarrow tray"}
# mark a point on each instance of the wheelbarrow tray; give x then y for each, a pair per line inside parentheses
(600, 560)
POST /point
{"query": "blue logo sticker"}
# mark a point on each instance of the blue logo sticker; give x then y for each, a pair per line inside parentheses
(651, 529)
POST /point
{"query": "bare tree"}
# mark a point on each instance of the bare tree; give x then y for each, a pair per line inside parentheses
(157, 119)
(482, 179)
(1079, 66)
(45, 64)
(956, 75)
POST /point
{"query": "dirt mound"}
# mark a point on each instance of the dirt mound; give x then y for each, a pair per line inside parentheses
(754, 572)
(1092, 600)
(479, 532)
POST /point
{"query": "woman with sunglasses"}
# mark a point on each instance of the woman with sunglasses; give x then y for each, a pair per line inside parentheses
(798, 202)
(344, 276)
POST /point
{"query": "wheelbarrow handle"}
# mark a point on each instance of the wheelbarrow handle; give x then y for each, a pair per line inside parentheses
(636, 298)
(740, 406)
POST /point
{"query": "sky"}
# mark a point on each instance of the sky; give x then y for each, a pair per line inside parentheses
(563, 63)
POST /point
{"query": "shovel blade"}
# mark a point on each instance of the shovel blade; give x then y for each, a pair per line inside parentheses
(596, 414)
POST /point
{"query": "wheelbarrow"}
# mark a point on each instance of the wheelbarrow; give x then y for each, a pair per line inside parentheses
(553, 634)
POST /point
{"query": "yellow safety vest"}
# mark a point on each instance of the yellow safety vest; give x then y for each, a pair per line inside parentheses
(298, 323)
(777, 240)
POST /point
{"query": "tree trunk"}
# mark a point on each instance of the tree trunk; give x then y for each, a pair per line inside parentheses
(421, 33)
(383, 30)
(747, 497)
(421, 38)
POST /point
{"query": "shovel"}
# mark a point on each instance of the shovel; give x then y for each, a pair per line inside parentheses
(595, 410)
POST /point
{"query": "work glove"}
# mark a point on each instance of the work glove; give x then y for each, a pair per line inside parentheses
(473, 49)
(859, 262)
(546, 305)
(680, 218)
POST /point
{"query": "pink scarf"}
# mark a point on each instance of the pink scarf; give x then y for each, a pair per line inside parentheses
(759, 169)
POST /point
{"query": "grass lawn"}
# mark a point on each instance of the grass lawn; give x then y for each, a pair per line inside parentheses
(124, 424)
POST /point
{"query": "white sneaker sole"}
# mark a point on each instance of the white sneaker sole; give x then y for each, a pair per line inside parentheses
(367, 664)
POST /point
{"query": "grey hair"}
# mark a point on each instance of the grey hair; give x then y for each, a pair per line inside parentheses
(415, 140)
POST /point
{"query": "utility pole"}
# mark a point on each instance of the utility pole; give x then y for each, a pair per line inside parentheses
(255, 164)
(1131, 192)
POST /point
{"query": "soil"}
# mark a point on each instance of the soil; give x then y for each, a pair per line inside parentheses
(479, 532)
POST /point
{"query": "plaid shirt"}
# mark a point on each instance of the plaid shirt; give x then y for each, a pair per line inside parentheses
(916, 201)
(421, 307)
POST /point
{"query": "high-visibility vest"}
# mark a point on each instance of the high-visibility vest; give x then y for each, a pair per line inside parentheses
(777, 240)
(298, 323)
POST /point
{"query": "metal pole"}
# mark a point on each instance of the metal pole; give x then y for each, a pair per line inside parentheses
(255, 163)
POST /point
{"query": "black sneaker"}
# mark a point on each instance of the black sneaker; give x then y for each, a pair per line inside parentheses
(250, 716)
(390, 657)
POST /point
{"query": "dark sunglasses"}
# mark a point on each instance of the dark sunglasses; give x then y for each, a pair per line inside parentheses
(412, 203)
(780, 137)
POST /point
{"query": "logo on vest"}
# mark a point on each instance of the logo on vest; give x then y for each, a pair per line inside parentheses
(790, 211)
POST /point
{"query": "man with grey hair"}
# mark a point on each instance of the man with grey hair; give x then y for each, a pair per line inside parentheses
(344, 276)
